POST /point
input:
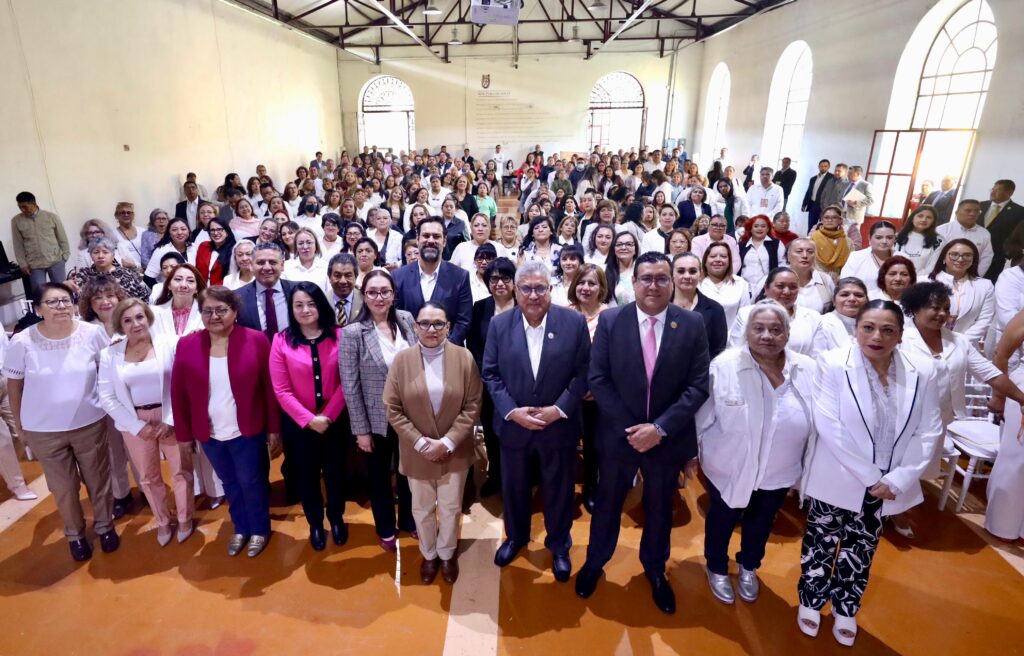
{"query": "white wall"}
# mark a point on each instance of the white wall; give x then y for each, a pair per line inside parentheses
(186, 84)
(856, 47)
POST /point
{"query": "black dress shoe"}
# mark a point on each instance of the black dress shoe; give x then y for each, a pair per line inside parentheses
(80, 549)
(588, 500)
(662, 594)
(109, 541)
(122, 506)
(339, 533)
(491, 486)
(506, 553)
(586, 581)
(317, 538)
(562, 567)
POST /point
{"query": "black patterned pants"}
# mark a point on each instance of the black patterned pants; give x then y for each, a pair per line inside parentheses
(835, 560)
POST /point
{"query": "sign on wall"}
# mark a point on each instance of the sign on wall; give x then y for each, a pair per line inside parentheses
(495, 12)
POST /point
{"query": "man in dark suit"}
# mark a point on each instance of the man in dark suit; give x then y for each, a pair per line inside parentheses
(942, 200)
(227, 210)
(1003, 219)
(343, 296)
(649, 376)
(455, 229)
(535, 369)
(785, 178)
(188, 209)
(432, 279)
(812, 198)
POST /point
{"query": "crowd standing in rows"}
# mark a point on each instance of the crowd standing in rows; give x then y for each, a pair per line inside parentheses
(386, 301)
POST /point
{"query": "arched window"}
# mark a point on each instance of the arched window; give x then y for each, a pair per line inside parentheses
(387, 114)
(938, 95)
(616, 115)
(716, 110)
(787, 105)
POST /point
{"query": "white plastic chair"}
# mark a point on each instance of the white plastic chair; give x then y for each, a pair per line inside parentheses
(975, 438)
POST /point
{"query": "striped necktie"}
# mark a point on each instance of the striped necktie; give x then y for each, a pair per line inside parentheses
(342, 315)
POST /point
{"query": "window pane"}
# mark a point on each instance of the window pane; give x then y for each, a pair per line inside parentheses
(960, 110)
(885, 143)
(906, 152)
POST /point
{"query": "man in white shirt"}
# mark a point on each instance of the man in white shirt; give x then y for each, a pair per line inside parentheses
(655, 163)
(765, 198)
(965, 226)
(188, 208)
(436, 195)
(499, 159)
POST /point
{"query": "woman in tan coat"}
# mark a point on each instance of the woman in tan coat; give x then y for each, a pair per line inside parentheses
(432, 396)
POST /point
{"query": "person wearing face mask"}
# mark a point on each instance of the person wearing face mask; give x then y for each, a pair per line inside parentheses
(309, 216)
(686, 277)
(815, 286)
(864, 264)
(756, 430)
(782, 286)
(836, 327)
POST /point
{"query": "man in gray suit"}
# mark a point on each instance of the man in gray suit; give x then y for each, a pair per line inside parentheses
(346, 300)
(854, 210)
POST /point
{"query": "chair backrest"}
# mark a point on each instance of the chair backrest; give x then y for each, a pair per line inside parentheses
(977, 396)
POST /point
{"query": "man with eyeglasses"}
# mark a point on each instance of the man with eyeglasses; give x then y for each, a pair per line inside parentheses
(965, 226)
(40, 244)
(535, 368)
(433, 279)
(646, 418)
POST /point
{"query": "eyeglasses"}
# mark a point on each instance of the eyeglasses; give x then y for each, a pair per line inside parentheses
(216, 231)
(961, 257)
(502, 279)
(382, 294)
(527, 291)
(486, 258)
(652, 281)
(221, 312)
(125, 212)
(718, 225)
(432, 325)
(625, 244)
(57, 302)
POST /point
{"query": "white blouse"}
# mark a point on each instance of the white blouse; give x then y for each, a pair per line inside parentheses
(787, 429)
(923, 258)
(222, 407)
(862, 264)
(834, 331)
(730, 294)
(802, 326)
(464, 254)
(817, 293)
(315, 273)
(153, 268)
(478, 287)
(60, 391)
(390, 349)
(144, 380)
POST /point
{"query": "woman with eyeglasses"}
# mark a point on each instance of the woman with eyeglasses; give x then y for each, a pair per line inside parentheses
(973, 305)
(864, 264)
(307, 384)
(155, 230)
(782, 286)
(498, 275)
(128, 236)
(102, 252)
(837, 327)
(619, 270)
(686, 277)
(432, 395)
(223, 398)
(178, 239)
(51, 379)
(92, 230)
(213, 257)
(876, 410)
(369, 344)
(720, 283)
(135, 391)
(831, 244)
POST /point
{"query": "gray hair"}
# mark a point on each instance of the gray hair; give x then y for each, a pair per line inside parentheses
(769, 305)
(533, 267)
(102, 242)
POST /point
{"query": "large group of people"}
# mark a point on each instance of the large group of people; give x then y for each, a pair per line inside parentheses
(388, 303)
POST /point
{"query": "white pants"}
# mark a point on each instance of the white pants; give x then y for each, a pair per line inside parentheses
(1004, 517)
(437, 510)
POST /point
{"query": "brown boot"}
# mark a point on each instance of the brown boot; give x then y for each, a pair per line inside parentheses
(428, 570)
(450, 569)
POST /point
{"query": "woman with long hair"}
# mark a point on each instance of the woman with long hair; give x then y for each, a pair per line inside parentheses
(539, 245)
(214, 257)
(918, 240)
(686, 276)
(759, 251)
(972, 309)
(619, 269)
(178, 239)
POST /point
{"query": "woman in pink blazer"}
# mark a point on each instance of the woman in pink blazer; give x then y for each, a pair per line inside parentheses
(221, 396)
(307, 382)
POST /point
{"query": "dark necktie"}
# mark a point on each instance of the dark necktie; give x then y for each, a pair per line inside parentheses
(342, 316)
(270, 311)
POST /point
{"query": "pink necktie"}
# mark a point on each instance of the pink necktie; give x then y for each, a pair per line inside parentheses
(650, 348)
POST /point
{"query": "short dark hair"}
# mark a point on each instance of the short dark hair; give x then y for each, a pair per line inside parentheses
(233, 191)
(325, 321)
(341, 259)
(650, 257)
(269, 246)
(878, 226)
(25, 197)
(879, 304)
(501, 266)
(965, 201)
(433, 305)
(920, 295)
(222, 294)
(1009, 184)
(172, 255)
(825, 161)
(430, 219)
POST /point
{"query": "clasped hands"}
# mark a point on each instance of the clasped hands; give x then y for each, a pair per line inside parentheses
(532, 418)
(435, 450)
(643, 437)
(156, 430)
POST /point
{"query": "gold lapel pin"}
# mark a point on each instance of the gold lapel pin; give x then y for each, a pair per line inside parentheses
(674, 325)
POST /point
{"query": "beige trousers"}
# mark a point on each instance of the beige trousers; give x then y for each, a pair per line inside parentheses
(145, 455)
(437, 510)
(10, 468)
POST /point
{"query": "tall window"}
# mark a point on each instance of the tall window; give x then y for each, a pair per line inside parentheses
(716, 110)
(787, 105)
(937, 98)
(387, 114)
(616, 115)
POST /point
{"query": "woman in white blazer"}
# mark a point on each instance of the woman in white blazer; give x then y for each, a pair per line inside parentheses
(876, 409)
(836, 327)
(973, 303)
(135, 390)
(864, 264)
(176, 312)
(782, 286)
(754, 431)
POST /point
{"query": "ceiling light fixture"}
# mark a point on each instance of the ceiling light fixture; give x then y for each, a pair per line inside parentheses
(575, 34)
(594, 5)
(431, 10)
(455, 38)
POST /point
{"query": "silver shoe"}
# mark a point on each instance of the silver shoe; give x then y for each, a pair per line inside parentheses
(749, 586)
(721, 587)
(257, 544)
(185, 530)
(237, 543)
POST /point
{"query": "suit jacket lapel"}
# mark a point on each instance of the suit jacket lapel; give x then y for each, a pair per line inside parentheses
(668, 336)
(519, 344)
(372, 344)
(630, 343)
(907, 379)
(420, 392)
(438, 292)
(550, 334)
(860, 392)
(415, 291)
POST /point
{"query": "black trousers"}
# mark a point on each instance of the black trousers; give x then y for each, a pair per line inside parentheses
(590, 468)
(557, 491)
(314, 455)
(491, 443)
(836, 555)
(756, 520)
(615, 479)
(380, 464)
(813, 216)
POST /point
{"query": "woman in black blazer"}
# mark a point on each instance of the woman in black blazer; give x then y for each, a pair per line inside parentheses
(498, 276)
(693, 206)
(686, 277)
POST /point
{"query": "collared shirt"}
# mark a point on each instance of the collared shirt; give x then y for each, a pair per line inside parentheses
(981, 237)
(428, 281)
(191, 209)
(659, 325)
(883, 400)
(280, 305)
(993, 210)
(39, 240)
(817, 183)
(346, 303)
(765, 201)
(535, 342)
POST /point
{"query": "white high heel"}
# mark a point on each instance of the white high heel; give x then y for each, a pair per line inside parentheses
(843, 623)
(805, 614)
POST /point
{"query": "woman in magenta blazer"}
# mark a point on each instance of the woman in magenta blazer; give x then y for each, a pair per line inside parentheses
(221, 396)
(307, 382)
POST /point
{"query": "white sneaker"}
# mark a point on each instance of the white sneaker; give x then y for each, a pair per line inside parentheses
(23, 493)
